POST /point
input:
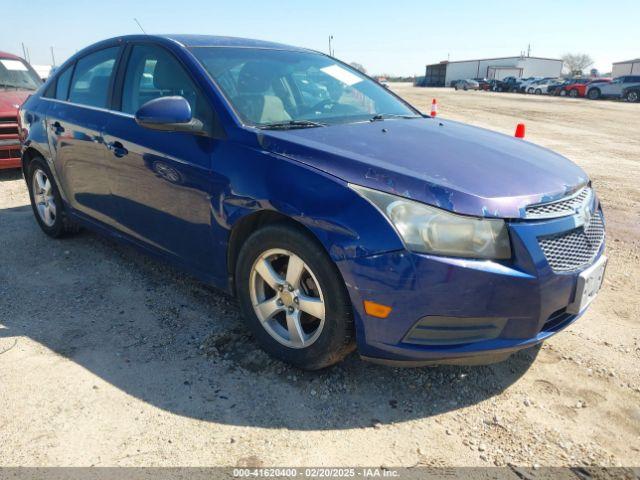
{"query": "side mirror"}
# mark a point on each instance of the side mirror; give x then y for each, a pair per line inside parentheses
(171, 114)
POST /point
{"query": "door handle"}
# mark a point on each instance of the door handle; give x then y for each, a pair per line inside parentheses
(118, 149)
(57, 128)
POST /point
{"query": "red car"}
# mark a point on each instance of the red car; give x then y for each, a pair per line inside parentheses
(17, 81)
(580, 89)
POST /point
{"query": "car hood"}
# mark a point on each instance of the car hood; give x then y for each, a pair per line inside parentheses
(10, 100)
(447, 164)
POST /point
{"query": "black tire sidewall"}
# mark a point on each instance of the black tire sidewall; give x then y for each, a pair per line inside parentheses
(594, 94)
(57, 229)
(336, 339)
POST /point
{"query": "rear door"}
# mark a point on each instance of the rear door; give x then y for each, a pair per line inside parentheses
(76, 121)
(163, 181)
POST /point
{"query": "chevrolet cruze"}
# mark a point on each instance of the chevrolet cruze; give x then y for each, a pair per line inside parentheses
(337, 213)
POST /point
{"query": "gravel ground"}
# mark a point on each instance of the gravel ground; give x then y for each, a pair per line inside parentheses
(108, 357)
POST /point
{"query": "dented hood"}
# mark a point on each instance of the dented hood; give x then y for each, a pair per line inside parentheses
(447, 164)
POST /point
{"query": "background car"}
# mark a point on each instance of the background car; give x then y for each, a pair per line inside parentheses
(555, 87)
(579, 89)
(524, 83)
(507, 84)
(17, 81)
(612, 89)
(467, 84)
(484, 83)
(539, 87)
(631, 93)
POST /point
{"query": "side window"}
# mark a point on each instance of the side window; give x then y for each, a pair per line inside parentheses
(62, 84)
(152, 72)
(91, 78)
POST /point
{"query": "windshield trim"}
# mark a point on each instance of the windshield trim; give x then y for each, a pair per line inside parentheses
(236, 115)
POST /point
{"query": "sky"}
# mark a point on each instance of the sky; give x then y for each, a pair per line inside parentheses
(397, 37)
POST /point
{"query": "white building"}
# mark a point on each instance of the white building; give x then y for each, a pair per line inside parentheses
(444, 73)
(630, 67)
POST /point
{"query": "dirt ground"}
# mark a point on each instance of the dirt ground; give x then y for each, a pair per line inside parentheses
(108, 357)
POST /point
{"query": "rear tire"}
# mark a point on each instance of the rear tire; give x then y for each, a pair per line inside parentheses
(286, 330)
(594, 94)
(46, 201)
(538, 91)
(563, 93)
(633, 96)
(573, 93)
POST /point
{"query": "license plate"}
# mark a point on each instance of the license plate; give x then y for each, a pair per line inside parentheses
(588, 285)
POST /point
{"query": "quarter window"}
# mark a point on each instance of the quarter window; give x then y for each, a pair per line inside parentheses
(152, 72)
(92, 77)
(62, 84)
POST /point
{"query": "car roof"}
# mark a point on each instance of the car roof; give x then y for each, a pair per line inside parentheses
(219, 41)
(9, 56)
(202, 41)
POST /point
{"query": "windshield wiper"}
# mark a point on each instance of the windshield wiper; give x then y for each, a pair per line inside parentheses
(290, 124)
(381, 116)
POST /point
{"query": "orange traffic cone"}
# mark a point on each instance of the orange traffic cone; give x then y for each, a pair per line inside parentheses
(434, 108)
(520, 130)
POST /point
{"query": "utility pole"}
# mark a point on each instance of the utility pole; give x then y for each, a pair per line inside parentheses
(330, 48)
(53, 58)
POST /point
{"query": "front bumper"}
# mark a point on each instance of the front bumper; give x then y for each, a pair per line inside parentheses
(10, 155)
(452, 310)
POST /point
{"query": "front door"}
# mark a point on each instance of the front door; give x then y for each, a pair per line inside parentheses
(76, 120)
(163, 181)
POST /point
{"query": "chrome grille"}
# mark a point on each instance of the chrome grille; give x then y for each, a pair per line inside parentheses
(576, 248)
(562, 208)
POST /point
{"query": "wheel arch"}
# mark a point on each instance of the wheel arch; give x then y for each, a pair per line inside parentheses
(27, 156)
(249, 224)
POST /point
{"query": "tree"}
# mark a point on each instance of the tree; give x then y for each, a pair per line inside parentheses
(576, 63)
(358, 66)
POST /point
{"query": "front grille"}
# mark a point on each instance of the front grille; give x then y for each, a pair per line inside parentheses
(565, 207)
(9, 126)
(576, 248)
(5, 154)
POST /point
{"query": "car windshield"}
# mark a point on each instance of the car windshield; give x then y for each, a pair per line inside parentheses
(17, 74)
(293, 89)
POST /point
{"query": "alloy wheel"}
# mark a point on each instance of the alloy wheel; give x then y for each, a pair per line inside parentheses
(632, 96)
(287, 298)
(44, 198)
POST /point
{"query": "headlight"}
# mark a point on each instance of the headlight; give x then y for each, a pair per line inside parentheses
(432, 230)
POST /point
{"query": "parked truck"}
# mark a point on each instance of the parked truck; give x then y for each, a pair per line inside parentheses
(17, 81)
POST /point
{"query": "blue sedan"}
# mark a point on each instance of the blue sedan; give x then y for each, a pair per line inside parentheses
(337, 213)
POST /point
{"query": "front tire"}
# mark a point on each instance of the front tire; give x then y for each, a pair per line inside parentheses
(573, 93)
(594, 94)
(46, 201)
(293, 298)
(538, 91)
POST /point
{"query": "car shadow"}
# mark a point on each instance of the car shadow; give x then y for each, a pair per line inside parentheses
(169, 340)
(10, 175)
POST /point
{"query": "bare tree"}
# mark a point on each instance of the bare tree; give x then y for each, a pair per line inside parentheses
(358, 66)
(576, 63)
